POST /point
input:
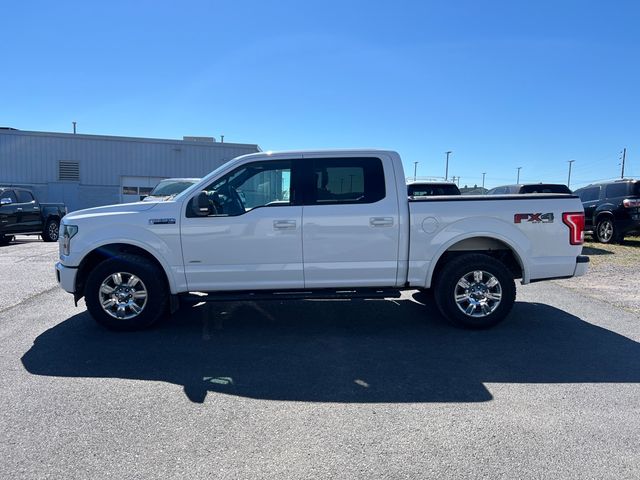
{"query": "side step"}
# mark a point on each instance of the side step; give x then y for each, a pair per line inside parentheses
(261, 295)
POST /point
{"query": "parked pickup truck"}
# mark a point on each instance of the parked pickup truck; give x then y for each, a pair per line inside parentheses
(21, 213)
(316, 224)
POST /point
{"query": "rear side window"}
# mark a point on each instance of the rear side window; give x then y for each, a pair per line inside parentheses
(542, 188)
(346, 180)
(24, 196)
(617, 190)
(589, 194)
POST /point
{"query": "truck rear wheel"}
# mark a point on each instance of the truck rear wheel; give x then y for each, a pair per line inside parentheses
(126, 293)
(6, 239)
(475, 291)
(51, 231)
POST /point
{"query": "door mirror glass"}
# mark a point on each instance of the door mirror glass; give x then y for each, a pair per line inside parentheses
(5, 201)
(200, 205)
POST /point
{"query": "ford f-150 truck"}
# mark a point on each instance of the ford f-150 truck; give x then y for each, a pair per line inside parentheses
(22, 214)
(316, 224)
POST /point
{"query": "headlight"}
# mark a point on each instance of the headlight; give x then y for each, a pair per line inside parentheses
(68, 231)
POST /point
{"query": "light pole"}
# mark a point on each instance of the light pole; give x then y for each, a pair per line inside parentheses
(518, 179)
(415, 170)
(483, 174)
(446, 171)
(569, 179)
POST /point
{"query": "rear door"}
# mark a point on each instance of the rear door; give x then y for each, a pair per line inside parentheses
(590, 197)
(29, 217)
(350, 222)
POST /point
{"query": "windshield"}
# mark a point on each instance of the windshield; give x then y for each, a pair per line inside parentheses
(170, 187)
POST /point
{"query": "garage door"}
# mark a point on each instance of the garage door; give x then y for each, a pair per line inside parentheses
(134, 189)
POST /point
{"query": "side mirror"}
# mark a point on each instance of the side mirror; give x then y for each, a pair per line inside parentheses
(200, 205)
(5, 201)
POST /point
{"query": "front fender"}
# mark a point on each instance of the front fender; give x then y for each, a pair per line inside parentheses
(164, 247)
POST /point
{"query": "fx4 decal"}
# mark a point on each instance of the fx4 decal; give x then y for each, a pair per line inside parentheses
(533, 217)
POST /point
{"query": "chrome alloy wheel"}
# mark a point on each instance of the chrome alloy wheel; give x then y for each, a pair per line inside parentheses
(478, 293)
(123, 295)
(54, 231)
(605, 230)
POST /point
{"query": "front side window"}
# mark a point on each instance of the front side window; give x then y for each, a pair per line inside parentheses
(10, 195)
(259, 184)
(347, 180)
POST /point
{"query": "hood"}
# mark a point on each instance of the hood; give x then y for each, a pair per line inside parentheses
(110, 210)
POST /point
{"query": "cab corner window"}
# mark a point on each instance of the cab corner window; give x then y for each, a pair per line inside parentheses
(259, 184)
(347, 180)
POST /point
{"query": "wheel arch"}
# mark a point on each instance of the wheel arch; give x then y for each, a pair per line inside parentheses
(492, 245)
(112, 250)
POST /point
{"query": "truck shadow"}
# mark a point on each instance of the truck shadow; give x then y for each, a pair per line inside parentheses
(339, 351)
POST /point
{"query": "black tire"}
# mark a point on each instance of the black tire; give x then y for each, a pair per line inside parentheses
(606, 231)
(6, 239)
(51, 231)
(152, 280)
(489, 311)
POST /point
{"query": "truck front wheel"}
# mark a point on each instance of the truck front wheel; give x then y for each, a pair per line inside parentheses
(128, 292)
(51, 230)
(475, 291)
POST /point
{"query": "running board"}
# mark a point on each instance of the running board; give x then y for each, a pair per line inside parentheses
(261, 295)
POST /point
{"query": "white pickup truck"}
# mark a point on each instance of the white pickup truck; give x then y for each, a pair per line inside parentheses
(316, 224)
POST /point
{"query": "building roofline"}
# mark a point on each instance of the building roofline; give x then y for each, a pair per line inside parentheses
(126, 139)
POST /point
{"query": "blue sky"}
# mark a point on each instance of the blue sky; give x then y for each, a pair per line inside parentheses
(502, 84)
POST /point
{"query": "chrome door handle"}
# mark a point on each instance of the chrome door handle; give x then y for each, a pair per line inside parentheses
(381, 221)
(284, 224)
(18, 209)
(36, 208)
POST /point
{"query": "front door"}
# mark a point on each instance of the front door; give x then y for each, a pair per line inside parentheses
(251, 238)
(29, 216)
(8, 212)
(350, 222)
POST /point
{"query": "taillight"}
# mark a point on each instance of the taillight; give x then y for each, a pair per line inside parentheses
(575, 222)
(631, 203)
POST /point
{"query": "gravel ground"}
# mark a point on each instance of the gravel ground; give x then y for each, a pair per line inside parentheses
(613, 273)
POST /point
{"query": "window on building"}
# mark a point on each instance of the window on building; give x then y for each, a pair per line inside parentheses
(129, 190)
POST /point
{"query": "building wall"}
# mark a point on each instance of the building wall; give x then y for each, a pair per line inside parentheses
(32, 159)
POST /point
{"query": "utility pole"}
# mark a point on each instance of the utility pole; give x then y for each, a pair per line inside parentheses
(483, 174)
(518, 179)
(569, 179)
(415, 170)
(446, 171)
(624, 156)
(74, 127)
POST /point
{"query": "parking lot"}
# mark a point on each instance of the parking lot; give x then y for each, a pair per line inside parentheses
(361, 389)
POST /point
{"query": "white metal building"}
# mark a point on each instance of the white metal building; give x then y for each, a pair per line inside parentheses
(91, 170)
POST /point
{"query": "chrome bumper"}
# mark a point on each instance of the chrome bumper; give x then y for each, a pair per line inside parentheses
(66, 277)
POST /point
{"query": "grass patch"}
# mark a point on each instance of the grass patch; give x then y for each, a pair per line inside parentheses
(600, 253)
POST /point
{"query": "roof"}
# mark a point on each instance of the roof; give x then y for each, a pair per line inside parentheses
(9, 131)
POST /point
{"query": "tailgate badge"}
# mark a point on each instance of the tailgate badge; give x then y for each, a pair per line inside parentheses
(533, 217)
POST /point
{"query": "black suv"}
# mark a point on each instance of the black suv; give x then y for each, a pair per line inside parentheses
(611, 209)
(529, 188)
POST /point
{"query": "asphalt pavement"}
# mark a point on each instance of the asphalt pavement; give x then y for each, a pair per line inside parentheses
(314, 389)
